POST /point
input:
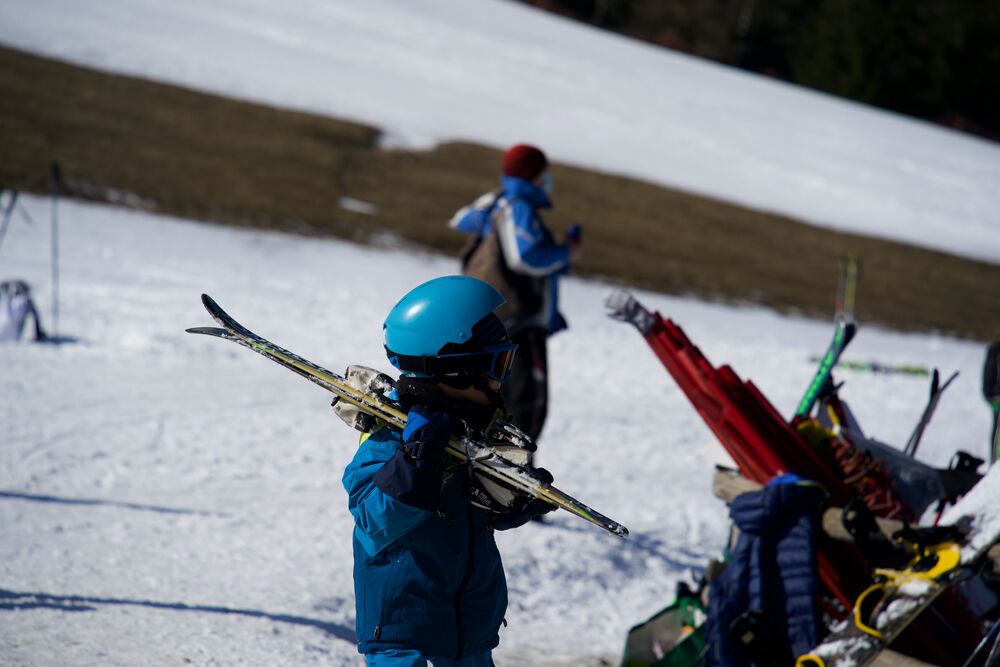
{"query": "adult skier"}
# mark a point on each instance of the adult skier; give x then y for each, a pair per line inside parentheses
(429, 582)
(514, 251)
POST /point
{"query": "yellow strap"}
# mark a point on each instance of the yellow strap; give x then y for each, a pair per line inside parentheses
(809, 660)
(949, 556)
(861, 625)
(834, 418)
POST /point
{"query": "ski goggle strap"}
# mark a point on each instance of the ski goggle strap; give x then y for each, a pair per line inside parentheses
(494, 362)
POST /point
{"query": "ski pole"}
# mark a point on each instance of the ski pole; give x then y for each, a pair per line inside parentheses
(54, 179)
(988, 641)
(7, 214)
(935, 395)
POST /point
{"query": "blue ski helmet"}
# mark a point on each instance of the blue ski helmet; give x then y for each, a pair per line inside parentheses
(447, 327)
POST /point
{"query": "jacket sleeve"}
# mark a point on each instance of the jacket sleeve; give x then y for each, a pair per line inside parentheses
(379, 518)
(475, 218)
(527, 247)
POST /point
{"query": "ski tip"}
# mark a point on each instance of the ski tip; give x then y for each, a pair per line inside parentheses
(207, 301)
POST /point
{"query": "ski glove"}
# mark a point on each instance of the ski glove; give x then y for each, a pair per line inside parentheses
(623, 306)
(514, 445)
(414, 474)
(530, 509)
(574, 235)
(509, 508)
(510, 442)
(366, 380)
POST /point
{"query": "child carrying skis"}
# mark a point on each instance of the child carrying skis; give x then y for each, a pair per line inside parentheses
(429, 582)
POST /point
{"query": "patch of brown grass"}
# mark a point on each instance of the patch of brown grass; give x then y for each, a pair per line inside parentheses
(215, 159)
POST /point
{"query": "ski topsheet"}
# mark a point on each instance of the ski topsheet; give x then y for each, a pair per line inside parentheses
(481, 457)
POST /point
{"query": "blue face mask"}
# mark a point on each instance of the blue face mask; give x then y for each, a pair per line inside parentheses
(546, 184)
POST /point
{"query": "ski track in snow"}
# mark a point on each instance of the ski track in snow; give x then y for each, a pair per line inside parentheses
(497, 72)
(169, 498)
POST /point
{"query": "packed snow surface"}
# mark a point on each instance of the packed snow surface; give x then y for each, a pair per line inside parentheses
(982, 504)
(498, 72)
(169, 499)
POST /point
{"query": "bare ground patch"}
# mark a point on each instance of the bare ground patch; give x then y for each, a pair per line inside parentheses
(220, 160)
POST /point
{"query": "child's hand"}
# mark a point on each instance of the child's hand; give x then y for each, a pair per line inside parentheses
(426, 433)
(414, 474)
(527, 511)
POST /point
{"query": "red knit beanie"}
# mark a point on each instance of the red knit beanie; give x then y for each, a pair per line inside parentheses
(524, 161)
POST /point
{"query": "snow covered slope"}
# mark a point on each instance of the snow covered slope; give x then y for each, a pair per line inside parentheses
(168, 498)
(498, 72)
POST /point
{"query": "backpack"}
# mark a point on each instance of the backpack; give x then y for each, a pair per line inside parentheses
(483, 258)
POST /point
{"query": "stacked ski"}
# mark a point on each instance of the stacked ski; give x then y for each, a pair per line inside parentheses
(899, 597)
(483, 459)
(764, 445)
(760, 442)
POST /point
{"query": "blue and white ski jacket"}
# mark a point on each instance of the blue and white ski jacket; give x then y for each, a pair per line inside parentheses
(428, 580)
(527, 244)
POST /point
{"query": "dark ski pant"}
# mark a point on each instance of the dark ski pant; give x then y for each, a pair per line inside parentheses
(995, 441)
(526, 392)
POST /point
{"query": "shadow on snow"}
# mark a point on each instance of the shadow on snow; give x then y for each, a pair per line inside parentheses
(14, 601)
(109, 503)
(676, 556)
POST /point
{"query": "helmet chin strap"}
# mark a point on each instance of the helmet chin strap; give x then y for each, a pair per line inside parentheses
(482, 383)
(479, 382)
(413, 391)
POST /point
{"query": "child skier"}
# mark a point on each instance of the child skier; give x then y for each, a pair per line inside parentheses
(429, 582)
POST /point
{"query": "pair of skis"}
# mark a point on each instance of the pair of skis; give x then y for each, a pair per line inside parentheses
(483, 458)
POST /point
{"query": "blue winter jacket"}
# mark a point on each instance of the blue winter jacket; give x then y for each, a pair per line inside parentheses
(528, 246)
(772, 570)
(429, 580)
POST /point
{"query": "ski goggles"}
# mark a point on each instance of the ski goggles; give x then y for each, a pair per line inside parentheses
(494, 361)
